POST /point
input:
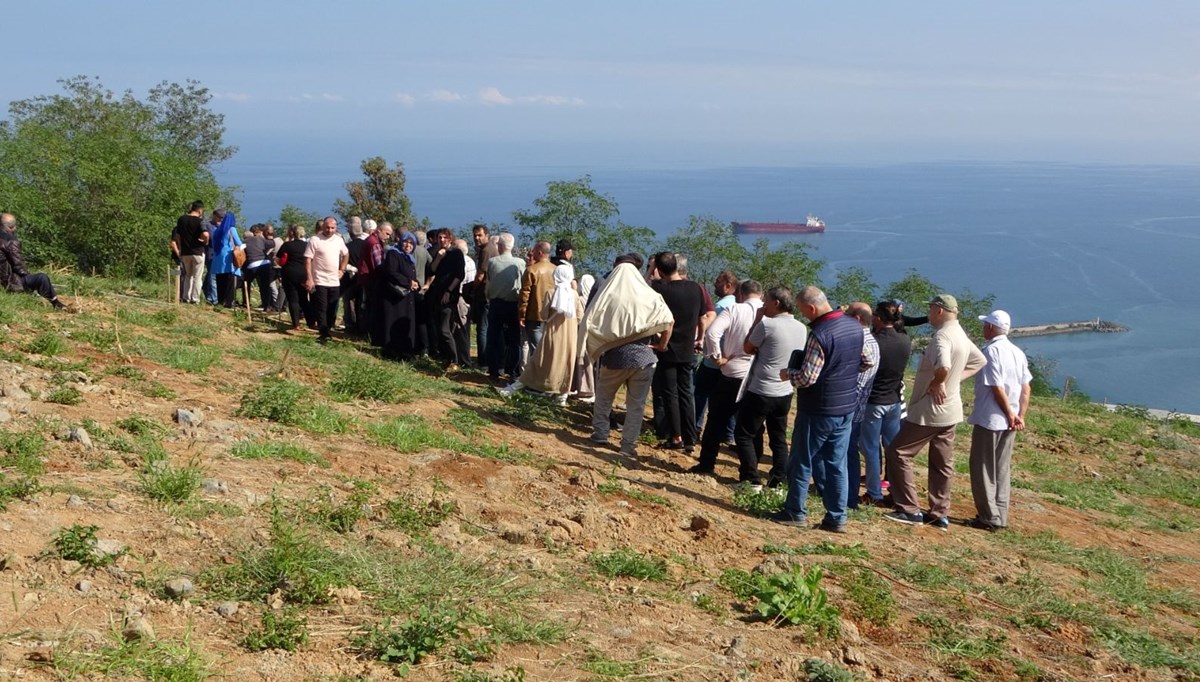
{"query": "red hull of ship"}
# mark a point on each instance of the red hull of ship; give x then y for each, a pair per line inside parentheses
(776, 228)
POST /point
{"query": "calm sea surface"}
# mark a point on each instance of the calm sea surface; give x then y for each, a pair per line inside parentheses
(1052, 243)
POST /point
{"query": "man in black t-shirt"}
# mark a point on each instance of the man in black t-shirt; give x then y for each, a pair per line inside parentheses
(673, 377)
(188, 243)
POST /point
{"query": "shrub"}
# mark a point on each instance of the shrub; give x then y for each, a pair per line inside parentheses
(162, 481)
(78, 543)
(796, 597)
(407, 643)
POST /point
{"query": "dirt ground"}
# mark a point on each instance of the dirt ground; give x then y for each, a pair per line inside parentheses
(541, 520)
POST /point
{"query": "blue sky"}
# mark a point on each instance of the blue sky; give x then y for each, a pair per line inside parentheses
(650, 83)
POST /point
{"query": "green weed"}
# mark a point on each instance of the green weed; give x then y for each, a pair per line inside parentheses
(140, 426)
(161, 659)
(47, 343)
(467, 422)
(286, 630)
(871, 595)
(818, 670)
(405, 513)
(407, 643)
(164, 482)
(64, 395)
(288, 402)
(796, 597)
(825, 547)
(20, 489)
(409, 433)
(925, 575)
(22, 451)
(762, 503)
(742, 584)
(368, 379)
(78, 543)
(625, 562)
(341, 517)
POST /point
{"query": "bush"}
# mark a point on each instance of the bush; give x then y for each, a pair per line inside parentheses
(796, 597)
(78, 543)
(288, 402)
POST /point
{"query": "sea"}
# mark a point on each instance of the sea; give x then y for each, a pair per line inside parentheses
(1052, 242)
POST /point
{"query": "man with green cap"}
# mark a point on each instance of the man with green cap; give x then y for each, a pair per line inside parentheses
(934, 410)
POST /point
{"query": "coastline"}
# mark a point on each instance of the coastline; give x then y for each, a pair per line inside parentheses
(1154, 412)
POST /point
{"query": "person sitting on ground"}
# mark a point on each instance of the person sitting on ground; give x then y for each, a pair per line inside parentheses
(13, 276)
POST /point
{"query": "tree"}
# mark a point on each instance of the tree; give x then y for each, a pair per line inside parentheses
(853, 284)
(99, 179)
(379, 195)
(710, 246)
(294, 215)
(789, 265)
(916, 292)
(575, 211)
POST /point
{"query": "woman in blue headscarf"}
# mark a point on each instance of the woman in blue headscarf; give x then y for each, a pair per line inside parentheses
(224, 238)
(394, 314)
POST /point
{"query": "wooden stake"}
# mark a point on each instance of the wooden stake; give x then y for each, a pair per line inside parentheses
(246, 294)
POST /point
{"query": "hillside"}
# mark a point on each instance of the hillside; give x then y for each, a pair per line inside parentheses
(187, 495)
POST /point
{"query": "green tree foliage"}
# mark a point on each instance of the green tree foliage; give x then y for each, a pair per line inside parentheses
(379, 196)
(98, 179)
(916, 291)
(712, 246)
(853, 284)
(574, 210)
(294, 215)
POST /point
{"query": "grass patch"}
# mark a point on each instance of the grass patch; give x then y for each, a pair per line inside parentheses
(286, 630)
(613, 486)
(288, 402)
(825, 547)
(22, 451)
(762, 503)
(157, 660)
(364, 378)
(261, 449)
(502, 452)
(48, 343)
(64, 395)
(467, 422)
(408, 642)
(140, 426)
(164, 482)
(625, 562)
(341, 516)
(405, 513)
(742, 584)
(20, 489)
(871, 596)
(409, 433)
(925, 575)
(529, 410)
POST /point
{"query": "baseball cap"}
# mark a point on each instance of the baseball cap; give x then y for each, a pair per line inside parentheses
(998, 319)
(946, 301)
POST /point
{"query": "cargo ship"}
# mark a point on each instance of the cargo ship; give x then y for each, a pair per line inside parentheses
(813, 225)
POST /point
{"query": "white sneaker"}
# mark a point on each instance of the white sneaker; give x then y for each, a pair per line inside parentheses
(510, 389)
(561, 400)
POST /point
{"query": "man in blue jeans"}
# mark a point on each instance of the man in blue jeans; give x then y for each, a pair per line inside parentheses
(826, 376)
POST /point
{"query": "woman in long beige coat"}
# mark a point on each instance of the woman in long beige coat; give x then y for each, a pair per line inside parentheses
(551, 367)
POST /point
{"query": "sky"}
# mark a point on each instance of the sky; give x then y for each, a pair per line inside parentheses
(649, 84)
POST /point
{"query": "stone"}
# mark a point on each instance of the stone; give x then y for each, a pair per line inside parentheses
(83, 586)
(185, 417)
(699, 526)
(111, 547)
(226, 609)
(517, 536)
(15, 392)
(586, 479)
(138, 629)
(80, 435)
(223, 425)
(736, 648)
(852, 656)
(850, 633)
(179, 588)
(74, 501)
(5, 417)
(214, 486)
(346, 595)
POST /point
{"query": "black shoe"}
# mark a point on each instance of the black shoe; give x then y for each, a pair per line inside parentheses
(702, 470)
(939, 522)
(669, 445)
(785, 519)
(980, 524)
(832, 527)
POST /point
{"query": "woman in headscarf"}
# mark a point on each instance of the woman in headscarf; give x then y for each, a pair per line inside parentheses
(583, 385)
(224, 239)
(394, 313)
(552, 365)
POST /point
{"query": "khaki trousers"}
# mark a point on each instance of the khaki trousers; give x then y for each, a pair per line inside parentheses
(911, 440)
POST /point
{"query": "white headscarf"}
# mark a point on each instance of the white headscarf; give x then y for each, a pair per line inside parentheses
(562, 300)
(585, 287)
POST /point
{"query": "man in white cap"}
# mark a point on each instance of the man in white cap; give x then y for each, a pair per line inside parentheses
(1001, 401)
(934, 410)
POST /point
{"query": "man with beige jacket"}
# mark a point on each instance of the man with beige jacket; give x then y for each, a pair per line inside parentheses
(934, 410)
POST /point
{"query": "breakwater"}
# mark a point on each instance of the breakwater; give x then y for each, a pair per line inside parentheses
(1096, 325)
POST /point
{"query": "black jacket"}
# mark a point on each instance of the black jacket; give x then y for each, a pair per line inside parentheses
(12, 264)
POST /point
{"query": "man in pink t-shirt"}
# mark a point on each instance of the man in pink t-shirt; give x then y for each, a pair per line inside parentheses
(325, 261)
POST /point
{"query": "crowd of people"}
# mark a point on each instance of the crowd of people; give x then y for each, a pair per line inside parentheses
(723, 372)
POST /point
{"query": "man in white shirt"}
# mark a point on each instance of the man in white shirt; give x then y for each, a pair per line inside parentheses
(724, 345)
(1002, 391)
(325, 260)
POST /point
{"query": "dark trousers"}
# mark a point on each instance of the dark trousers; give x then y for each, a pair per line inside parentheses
(503, 338)
(297, 300)
(39, 283)
(325, 307)
(722, 405)
(354, 302)
(226, 286)
(754, 412)
(673, 381)
(448, 332)
(263, 275)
